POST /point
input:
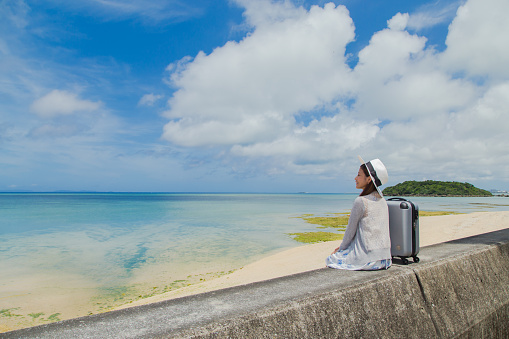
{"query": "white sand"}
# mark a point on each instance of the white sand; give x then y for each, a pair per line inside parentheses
(433, 230)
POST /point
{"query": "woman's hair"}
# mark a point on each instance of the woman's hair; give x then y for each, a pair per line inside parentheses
(370, 188)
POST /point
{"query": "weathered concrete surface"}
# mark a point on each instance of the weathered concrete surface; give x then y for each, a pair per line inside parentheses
(459, 289)
(468, 292)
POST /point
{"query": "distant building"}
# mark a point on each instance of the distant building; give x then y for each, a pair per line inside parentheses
(499, 192)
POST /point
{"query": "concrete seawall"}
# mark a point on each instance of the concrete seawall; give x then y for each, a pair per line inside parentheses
(460, 289)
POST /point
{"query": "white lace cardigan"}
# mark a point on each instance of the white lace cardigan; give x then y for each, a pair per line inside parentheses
(367, 234)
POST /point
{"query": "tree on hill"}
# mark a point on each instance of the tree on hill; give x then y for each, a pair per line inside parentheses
(435, 188)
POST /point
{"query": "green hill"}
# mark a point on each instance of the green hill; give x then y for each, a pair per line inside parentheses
(435, 188)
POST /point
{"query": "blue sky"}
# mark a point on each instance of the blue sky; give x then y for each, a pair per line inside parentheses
(251, 95)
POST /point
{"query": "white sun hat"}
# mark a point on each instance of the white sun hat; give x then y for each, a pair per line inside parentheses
(377, 172)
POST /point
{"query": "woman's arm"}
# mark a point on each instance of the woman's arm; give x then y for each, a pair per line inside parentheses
(353, 223)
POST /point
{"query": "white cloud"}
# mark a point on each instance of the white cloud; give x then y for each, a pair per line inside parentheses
(398, 22)
(149, 99)
(285, 93)
(248, 91)
(434, 13)
(390, 53)
(477, 39)
(59, 102)
(261, 13)
(322, 141)
(487, 118)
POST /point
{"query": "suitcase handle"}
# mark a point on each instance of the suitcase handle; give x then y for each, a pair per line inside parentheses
(397, 199)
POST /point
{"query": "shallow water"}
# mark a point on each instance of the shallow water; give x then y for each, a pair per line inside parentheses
(108, 236)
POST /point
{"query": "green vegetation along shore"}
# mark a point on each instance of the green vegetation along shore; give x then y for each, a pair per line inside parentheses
(436, 189)
(338, 222)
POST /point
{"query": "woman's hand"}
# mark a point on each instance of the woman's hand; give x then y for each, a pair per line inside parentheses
(337, 249)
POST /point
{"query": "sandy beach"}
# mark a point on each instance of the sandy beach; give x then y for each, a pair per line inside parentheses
(433, 229)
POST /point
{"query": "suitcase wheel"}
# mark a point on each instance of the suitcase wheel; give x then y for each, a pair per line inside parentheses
(416, 259)
(405, 261)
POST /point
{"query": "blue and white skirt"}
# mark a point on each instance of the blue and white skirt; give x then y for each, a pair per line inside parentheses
(337, 260)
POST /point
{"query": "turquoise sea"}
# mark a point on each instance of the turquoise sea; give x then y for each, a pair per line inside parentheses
(134, 242)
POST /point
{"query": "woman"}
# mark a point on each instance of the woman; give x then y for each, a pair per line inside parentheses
(366, 244)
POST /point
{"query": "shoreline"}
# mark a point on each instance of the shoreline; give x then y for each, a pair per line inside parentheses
(433, 229)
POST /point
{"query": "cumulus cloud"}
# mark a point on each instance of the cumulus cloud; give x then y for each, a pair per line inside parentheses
(57, 103)
(398, 22)
(398, 78)
(250, 90)
(477, 39)
(487, 117)
(286, 92)
(318, 143)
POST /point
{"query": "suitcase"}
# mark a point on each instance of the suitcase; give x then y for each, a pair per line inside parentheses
(404, 229)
